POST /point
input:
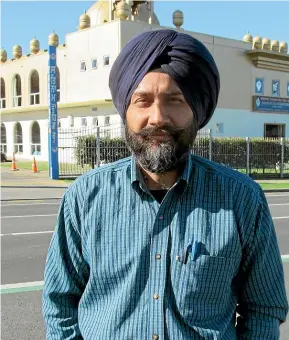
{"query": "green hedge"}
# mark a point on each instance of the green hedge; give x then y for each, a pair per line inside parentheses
(232, 152)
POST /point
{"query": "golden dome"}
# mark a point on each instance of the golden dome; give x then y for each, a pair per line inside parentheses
(257, 42)
(248, 38)
(17, 51)
(178, 18)
(266, 43)
(98, 12)
(283, 47)
(3, 55)
(275, 45)
(34, 46)
(53, 39)
(84, 21)
(122, 10)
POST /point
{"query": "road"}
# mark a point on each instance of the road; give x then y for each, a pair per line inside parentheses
(27, 228)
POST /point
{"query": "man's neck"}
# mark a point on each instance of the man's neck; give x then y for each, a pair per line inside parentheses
(163, 181)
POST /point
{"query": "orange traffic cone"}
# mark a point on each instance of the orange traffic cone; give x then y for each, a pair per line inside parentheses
(13, 167)
(34, 166)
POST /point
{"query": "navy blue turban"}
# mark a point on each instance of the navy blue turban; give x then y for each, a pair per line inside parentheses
(181, 56)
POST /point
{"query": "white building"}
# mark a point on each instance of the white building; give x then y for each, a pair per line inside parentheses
(251, 70)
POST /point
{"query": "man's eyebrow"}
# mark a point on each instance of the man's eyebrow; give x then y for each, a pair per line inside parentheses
(167, 93)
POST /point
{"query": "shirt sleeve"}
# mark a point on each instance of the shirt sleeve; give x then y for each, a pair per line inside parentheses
(65, 277)
(262, 305)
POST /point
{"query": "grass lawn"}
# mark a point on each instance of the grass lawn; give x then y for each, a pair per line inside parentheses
(42, 166)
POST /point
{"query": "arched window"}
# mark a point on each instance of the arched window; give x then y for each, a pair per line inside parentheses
(16, 91)
(35, 139)
(3, 138)
(3, 95)
(18, 138)
(34, 88)
(58, 83)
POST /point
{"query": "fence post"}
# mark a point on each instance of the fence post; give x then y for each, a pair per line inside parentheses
(210, 144)
(282, 158)
(97, 146)
(248, 156)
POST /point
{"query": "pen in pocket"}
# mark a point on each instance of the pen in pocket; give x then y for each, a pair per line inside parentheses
(193, 249)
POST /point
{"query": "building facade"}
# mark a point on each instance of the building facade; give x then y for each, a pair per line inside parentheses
(254, 72)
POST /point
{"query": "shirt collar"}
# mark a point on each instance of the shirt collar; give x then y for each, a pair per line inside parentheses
(136, 174)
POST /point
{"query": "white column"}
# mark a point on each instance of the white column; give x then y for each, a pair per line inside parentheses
(10, 138)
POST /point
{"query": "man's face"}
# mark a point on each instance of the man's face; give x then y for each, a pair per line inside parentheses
(160, 126)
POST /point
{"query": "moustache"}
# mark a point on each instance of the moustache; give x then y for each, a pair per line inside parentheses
(152, 131)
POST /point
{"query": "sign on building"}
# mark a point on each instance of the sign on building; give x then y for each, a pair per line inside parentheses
(270, 104)
(259, 85)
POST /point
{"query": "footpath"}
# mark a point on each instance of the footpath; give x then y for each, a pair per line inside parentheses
(25, 185)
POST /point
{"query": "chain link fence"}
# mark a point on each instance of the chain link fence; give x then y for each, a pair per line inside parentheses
(82, 149)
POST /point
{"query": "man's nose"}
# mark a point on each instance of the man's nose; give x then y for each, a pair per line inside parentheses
(158, 115)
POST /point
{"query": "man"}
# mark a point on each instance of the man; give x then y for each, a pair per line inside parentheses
(164, 245)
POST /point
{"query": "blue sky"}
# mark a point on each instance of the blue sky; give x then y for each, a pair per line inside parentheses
(22, 20)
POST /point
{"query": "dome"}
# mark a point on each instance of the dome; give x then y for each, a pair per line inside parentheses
(178, 18)
(283, 47)
(248, 38)
(84, 21)
(275, 45)
(99, 13)
(3, 55)
(257, 42)
(17, 51)
(53, 39)
(266, 43)
(34, 46)
(122, 10)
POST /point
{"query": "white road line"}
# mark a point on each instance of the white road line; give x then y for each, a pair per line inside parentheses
(13, 205)
(276, 195)
(280, 218)
(22, 285)
(28, 216)
(278, 204)
(29, 233)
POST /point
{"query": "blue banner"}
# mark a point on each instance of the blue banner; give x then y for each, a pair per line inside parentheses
(271, 104)
(259, 86)
(53, 114)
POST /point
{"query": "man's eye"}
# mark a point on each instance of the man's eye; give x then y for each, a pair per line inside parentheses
(140, 100)
(176, 100)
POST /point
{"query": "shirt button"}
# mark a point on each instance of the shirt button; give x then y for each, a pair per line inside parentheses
(156, 296)
(161, 217)
(155, 337)
(158, 256)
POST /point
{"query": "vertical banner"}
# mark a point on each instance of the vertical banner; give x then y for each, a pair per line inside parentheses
(53, 115)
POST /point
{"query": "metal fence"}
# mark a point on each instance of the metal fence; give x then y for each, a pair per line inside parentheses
(81, 149)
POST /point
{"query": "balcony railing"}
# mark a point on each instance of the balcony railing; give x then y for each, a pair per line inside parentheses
(17, 101)
(35, 98)
(3, 103)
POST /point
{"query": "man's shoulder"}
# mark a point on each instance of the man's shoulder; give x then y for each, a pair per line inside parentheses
(226, 175)
(95, 176)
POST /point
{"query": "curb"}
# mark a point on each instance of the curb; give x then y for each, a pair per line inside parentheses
(275, 190)
(33, 186)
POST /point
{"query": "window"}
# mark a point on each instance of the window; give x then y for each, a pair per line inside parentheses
(274, 130)
(220, 127)
(35, 139)
(106, 60)
(3, 138)
(94, 64)
(275, 88)
(34, 88)
(82, 66)
(106, 120)
(83, 122)
(95, 121)
(18, 138)
(3, 96)
(16, 90)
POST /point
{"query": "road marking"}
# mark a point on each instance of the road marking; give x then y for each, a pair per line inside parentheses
(13, 288)
(25, 204)
(277, 195)
(280, 218)
(28, 216)
(21, 287)
(29, 233)
(278, 204)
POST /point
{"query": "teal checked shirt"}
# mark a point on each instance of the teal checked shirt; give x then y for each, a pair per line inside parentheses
(203, 264)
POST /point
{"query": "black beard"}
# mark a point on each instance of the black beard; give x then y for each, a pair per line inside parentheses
(160, 157)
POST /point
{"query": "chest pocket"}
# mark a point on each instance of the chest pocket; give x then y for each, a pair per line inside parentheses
(203, 287)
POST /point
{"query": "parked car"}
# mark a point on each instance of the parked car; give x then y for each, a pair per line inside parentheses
(3, 157)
